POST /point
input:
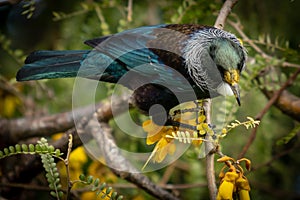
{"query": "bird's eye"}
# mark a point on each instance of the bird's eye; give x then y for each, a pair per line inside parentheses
(241, 65)
(220, 68)
(212, 51)
(212, 48)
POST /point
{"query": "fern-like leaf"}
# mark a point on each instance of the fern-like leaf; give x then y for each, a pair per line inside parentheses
(185, 136)
(102, 189)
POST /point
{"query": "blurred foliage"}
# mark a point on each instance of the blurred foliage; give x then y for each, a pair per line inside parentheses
(64, 25)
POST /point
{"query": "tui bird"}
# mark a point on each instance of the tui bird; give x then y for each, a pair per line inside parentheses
(164, 62)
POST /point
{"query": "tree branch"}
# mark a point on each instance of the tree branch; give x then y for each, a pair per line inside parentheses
(224, 12)
(260, 115)
(119, 164)
(237, 27)
(210, 155)
(19, 129)
(28, 166)
(210, 148)
(288, 103)
(282, 99)
(32, 165)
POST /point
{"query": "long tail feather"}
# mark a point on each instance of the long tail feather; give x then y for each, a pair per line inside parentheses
(51, 64)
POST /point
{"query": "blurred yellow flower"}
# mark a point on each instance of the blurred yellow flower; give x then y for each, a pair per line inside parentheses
(8, 105)
(157, 134)
(164, 135)
(93, 195)
(163, 147)
(77, 160)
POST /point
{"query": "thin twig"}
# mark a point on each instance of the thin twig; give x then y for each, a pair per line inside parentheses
(260, 115)
(237, 27)
(25, 186)
(129, 11)
(132, 186)
(276, 157)
(66, 161)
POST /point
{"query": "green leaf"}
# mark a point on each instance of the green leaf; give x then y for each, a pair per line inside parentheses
(51, 149)
(12, 149)
(96, 182)
(24, 148)
(120, 197)
(53, 193)
(108, 190)
(6, 151)
(288, 137)
(60, 194)
(82, 177)
(18, 148)
(57, 152)
(89, 179)
(102, 186)
(38, 148)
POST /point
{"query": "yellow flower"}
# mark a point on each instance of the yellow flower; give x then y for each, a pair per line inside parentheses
(76, 162)
(243, 187)
(93, 195)
(242, 183)
(227, 186)
(233, 180)
(157, 134)
(197, 142)
(244, 195)
(164, 135)
(162, 148)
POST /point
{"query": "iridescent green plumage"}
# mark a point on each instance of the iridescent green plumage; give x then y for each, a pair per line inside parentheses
(165, 64)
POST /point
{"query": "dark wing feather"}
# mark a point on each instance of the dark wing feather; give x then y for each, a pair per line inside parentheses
(153, 51)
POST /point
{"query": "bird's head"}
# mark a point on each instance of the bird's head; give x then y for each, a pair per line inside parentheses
(229, 57)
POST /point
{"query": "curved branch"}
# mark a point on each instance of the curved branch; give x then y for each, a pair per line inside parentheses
(273, 99)
(237, 27)
(119, 164)
(288, 103)
(29, 166)
(12, 131)
(224, 12)
(23, 128)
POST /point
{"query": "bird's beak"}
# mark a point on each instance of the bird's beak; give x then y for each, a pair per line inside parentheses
(236, 91)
